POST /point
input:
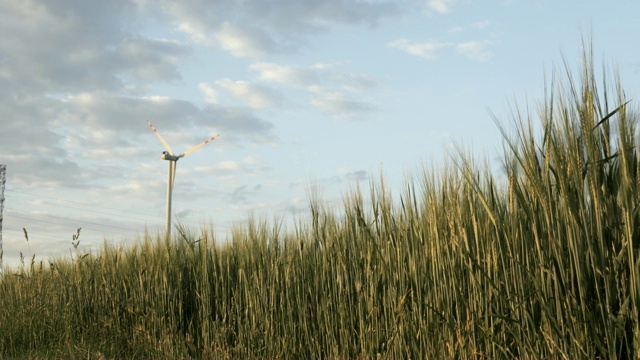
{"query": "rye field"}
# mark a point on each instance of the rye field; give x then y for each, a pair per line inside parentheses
(538, 262)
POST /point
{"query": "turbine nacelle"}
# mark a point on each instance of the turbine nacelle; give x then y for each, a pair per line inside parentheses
(167, 156)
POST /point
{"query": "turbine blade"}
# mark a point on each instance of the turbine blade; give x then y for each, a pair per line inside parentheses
(164, 142)
(198, 146)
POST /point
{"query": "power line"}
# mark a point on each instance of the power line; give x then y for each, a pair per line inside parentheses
(111, 211)
(84, 204)
(89, 208)
(65, 221)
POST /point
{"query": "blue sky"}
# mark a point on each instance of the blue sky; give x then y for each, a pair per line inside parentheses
(325, 94)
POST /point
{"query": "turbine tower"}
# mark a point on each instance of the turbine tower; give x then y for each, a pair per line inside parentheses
(173, 159)
(3, 169)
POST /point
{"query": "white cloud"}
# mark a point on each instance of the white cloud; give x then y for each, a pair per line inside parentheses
(104, 112)
(291, 75)
(157, 98)
(86, 48)
(265, 27)
(247, 41)
(151, 59)
(250, 160)
(475, 50)
(210, 94)
(358, 82)
(256, 96)
(341, 106)
(440, 6)
(235, 168)
(480, 24)
(424, 49)
(311, 77)
(67, 74)
(331, 90)
(195, 32)
(229, 165)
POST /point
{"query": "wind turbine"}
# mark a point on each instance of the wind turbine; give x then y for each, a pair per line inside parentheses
(173, 159)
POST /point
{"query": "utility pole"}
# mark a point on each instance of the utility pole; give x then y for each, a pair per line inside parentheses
(3, 170)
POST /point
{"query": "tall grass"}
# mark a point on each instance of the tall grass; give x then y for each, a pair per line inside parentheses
(459, 265)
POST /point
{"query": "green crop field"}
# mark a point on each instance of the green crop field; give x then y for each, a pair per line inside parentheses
(542, 264)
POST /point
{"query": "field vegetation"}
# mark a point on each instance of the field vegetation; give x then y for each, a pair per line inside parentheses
(540, 261)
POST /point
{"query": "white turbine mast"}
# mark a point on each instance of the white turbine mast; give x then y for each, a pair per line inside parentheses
(3, 169)
(173, 159)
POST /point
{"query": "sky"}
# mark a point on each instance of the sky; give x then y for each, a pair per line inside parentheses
(307, 96)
